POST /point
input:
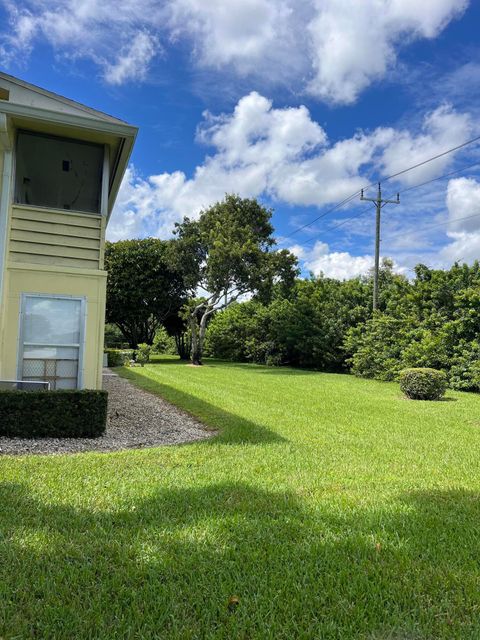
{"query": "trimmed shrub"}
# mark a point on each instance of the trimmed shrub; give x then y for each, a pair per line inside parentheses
(163, 343)
(142, 355)
(118, 357)
(423, 383)
(53, 414)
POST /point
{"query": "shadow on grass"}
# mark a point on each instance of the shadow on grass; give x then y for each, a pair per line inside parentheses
(207, 362)
(249, 367)
(167, 360)
(232, 429)
(165, 565)
(402, 396)
(289, 371)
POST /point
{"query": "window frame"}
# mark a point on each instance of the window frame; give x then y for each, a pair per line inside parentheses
(80, 346)
(104, 181)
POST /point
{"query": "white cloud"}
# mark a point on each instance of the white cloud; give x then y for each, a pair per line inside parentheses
(332, 48)
(463, 204)
(337, 264)
(133, 60)
(442, 129)
(283, 154)
(133, 209)
(235, 32)
(463, 83)
(463, 201)
(354, 43)
(342, 265)
(120, 37)
(465, 247)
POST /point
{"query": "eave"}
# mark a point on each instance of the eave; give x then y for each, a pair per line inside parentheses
(120, 136)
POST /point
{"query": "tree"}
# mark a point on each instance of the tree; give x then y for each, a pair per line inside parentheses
(433, 321)
(306, 329)
(227, 253)
(177, 328)
(143, 290)
(239, 332)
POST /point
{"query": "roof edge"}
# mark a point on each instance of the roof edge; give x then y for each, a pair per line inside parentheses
(59, 117)
(101, 115)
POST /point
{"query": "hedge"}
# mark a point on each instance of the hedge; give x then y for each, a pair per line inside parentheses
(118, 357)
(423, 383)
(53, 414)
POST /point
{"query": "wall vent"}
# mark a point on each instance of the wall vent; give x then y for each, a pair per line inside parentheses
(4, 93)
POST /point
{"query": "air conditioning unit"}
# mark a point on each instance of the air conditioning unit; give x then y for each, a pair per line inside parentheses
(24, 385)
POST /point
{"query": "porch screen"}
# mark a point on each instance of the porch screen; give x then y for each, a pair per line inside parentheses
(52, 337)
(58, 173)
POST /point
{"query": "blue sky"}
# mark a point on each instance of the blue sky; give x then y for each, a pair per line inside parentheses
(297, 102)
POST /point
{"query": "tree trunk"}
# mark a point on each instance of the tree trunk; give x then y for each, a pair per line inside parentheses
(196, 351)
(185, 347)
(201, 333)
(199, 328)
(182, 349)
(198, 337)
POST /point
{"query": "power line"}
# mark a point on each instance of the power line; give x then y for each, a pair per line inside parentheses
(440, 224)
(325, 213)
(364, 211)
(439, 155)
(434, 226)
(336, 226)
(427, 228)
(393, 175)
(445, 175)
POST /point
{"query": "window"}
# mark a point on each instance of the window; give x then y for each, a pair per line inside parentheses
(58, 173)
(51, 338)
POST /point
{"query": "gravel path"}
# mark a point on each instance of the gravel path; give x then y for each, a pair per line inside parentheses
(136, 419)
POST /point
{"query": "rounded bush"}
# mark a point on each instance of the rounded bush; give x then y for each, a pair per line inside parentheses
(423, 384)
(143, 354)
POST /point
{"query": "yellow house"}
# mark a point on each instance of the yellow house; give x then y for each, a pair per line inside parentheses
(61, 165)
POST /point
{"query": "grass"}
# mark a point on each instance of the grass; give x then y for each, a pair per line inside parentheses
(328, 505)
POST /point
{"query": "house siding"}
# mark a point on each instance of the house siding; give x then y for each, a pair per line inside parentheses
(43, 279)
(56, 238)
(60, 253)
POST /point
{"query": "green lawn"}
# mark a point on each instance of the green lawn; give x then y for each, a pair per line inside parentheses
(329, 505)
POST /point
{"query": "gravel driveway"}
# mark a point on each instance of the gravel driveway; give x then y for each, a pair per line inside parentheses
(136, 419)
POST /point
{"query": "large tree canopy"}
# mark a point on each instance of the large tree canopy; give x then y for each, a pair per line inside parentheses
(226, 253)
(143, 290)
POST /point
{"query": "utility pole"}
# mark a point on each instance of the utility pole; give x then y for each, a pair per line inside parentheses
(379, 204)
